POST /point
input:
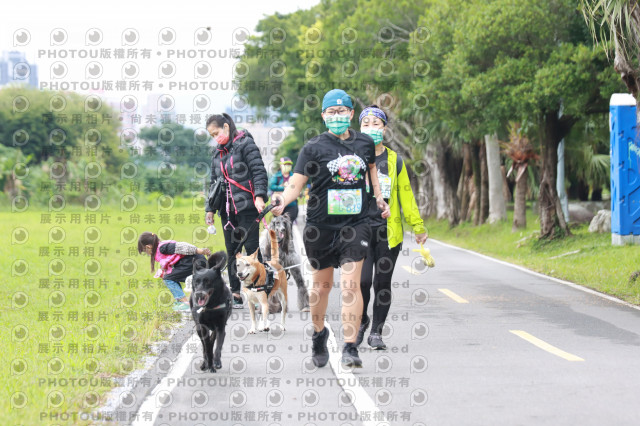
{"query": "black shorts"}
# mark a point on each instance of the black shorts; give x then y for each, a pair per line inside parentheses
(333, 248)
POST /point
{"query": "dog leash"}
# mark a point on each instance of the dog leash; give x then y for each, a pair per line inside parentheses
(261, 216)
(289, 267)
(292, 266)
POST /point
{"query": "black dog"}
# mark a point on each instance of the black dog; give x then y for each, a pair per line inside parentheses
(210, 306)
(288, 258)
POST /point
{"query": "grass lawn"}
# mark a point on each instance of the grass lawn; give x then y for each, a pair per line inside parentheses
(81, 305)
(595, 264)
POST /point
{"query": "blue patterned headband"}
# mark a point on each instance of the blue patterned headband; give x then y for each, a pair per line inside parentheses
(376, 112)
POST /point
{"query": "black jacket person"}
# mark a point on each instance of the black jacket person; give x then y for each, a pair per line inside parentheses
(237, 160)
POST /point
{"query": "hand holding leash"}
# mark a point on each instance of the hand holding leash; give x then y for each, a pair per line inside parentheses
(278, 203)
(268, 209)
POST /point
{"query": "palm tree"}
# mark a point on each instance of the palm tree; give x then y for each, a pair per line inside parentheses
(520, 150)
(618, 22)
(588, 157)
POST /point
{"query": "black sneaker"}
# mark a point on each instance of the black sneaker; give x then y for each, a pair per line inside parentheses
(375, 341)
(363, 328)
(350, 357)
(319, 350)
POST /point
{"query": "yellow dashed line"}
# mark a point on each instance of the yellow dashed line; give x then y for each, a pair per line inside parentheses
(453, 295)
(546, 346)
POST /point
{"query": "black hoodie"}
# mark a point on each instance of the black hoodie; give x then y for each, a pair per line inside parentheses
(244, 171)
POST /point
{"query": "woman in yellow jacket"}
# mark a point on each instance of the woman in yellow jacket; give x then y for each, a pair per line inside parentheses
(386, 234)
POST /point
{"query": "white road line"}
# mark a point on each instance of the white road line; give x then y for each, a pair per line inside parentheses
(150, 405)
(361, 400)
(538, 274)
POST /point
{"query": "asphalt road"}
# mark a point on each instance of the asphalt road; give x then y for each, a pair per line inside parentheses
(470, 342)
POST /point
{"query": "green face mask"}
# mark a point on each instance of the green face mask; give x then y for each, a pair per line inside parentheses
(376, 134)
(338, 124)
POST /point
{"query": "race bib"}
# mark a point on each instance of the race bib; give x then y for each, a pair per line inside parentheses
(344, 201)
(385, 185)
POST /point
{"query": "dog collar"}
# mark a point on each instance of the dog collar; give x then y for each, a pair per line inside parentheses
(204, 308)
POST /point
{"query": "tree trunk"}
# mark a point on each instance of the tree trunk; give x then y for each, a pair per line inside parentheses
(463, 196)
(484, 184)
(477, 183)
(561, 188)
(444, 175)
(464, 187)
(497, 205)
(506, 190)
(596, 194)
(423, 192)
(552, 223)
(10, 187)
(473, 203)
(520, 199)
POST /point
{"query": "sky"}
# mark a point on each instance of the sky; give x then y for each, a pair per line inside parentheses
(189, 62)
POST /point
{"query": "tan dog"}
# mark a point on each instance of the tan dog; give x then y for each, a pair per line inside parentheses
(253, 276)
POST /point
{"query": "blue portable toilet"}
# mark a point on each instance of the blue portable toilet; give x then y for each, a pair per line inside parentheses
(625, 170)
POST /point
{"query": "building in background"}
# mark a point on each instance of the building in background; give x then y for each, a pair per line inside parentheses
(15, 69)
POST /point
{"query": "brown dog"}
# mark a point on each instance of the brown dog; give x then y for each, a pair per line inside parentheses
(256, 286)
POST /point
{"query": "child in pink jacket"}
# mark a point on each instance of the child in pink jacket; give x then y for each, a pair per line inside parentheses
(176, 263)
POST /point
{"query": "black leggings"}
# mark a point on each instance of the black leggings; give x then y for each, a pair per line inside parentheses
(232, 237)
(384, 260)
